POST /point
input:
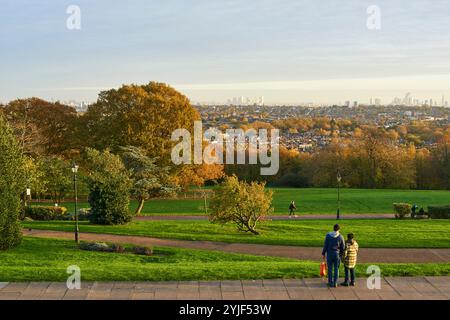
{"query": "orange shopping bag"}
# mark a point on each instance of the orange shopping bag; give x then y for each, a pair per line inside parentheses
(323, 269)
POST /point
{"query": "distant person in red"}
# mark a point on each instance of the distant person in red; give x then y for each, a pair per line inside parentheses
(292, 209)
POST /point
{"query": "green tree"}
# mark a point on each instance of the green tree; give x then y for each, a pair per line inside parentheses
(12, 184)
(35, 176)
(242, 203)
(149, 179)
(57, 177)
(109, 188)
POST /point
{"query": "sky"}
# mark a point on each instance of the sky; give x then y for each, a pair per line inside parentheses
(289, 51)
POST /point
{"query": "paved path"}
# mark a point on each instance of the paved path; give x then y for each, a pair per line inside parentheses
(275, 217)
(304, 253)
(392, 288)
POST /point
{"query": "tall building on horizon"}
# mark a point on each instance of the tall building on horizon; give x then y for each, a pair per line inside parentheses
(246, 101)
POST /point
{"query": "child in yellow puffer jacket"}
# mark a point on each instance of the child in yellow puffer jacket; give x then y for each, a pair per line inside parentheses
(350, 255)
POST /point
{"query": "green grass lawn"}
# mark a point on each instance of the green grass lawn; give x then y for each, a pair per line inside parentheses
(379, 233)
(47, 259)
(310, 201)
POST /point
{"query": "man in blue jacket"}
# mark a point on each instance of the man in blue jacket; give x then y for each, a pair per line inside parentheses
(333, 248)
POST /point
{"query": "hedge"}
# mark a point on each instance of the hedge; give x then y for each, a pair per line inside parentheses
(83, 214)
(439, 212)
(46, 213)
(117, 248)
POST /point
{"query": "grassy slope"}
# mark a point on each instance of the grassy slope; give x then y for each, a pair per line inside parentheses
(311, 200)
(386, 233)
(47, 260)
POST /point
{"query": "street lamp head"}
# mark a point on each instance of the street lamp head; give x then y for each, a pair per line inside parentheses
(339, 178)
(74, 168)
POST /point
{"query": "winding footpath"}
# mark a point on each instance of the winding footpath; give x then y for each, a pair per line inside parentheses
(366, 255)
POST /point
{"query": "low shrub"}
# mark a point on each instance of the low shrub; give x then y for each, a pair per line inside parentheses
(83, 214)
(402, 210)
(146, 251)
(117, 248)
(439, 212)
(95, 246)
(46, 213)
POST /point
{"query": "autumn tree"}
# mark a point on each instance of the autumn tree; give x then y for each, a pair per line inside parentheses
(244, 204)
(197, 175)
(143, 116)
(41, 127)
(380, 162)
(325, 164)
(293, 170)
(26, 131)
(35, 175)
(440, 161)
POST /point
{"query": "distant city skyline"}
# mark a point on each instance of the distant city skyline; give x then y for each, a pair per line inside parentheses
(409, 99)
(289, 51)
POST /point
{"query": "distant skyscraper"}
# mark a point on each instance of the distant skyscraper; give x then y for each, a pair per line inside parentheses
(260, 101)
(397, 101)
(407, 100)
(246, 101)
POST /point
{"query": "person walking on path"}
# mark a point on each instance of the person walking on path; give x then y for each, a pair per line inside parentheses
(351, 252)
(333, 249)
(292, 209)
(413, 210)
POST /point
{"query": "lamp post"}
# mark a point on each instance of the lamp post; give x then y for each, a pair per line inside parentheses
(27, 196)
(75, 170)
(338, 177)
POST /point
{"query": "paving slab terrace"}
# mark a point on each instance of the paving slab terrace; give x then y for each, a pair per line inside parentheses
(392, 288)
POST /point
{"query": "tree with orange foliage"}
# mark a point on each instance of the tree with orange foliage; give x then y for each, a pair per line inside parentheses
(143, 116)
(41, 127)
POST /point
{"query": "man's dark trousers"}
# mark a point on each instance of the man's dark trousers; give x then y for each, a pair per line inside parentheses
(333, 262)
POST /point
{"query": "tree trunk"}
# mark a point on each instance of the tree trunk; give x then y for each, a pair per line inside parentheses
(252, 230)
(140, 207)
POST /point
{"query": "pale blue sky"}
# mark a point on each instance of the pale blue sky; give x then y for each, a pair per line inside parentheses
(286, 50)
